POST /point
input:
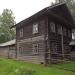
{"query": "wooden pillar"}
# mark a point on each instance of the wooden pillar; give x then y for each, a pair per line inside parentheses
(47, 43)
(8, 51)
(15, 50)
(62, 43)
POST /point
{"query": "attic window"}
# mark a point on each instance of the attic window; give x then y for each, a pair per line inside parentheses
(35, 28)
(52, 27)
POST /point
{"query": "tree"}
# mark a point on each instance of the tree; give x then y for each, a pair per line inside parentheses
(6, 21)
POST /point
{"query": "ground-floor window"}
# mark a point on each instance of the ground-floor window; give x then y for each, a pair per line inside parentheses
(21, 50)
(35, 48)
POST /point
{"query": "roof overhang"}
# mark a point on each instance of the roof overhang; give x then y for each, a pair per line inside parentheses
(45, 12)
(9, 43)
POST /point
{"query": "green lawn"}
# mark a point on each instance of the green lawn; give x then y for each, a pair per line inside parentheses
(11, 67)
(66, 65)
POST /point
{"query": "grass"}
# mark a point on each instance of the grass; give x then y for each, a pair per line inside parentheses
(12, 67)
(66, 65)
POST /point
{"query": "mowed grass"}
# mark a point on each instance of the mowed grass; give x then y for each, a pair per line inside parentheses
(13, 67)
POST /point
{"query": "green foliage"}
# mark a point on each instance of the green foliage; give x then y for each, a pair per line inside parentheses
(6, 21)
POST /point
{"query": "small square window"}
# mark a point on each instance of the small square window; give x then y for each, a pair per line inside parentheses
(35, 48)
(35, 28)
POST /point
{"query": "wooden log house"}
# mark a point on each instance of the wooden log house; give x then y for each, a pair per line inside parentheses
(8, 49)
(45, 36)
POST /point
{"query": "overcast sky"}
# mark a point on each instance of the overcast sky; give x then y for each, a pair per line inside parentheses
(24, 8)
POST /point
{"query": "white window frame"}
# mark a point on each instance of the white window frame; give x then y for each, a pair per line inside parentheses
(35, 28)
(34, 49)
(52, 26)
(21, 32)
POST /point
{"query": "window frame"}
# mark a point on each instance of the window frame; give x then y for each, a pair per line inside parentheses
(34, 50)
(69, 33)
(64, 31)
(21, 50)
(35, 28)
(21, 32)
(52, 27)
(59, 29)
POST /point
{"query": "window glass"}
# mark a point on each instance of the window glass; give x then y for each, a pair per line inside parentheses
(21, 32)
(35, 48)
(59, 29)
(35, 28)
(64, 31)
(52, 27)
(21, 50)
(69, 33)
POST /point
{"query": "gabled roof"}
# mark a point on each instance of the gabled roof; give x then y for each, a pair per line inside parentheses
(48, 10)
(12, 42)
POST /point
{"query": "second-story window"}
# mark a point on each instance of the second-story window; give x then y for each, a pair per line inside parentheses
(59, 29)
(64, 31)
(69, 34)
(21, 32)
(52, 27)
(35, 28)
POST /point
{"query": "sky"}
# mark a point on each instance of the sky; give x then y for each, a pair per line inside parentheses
(22, 9)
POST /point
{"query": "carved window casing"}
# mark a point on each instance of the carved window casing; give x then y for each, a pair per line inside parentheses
(21, 32)
(35, 28)
(35, 48)
(52, 26)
